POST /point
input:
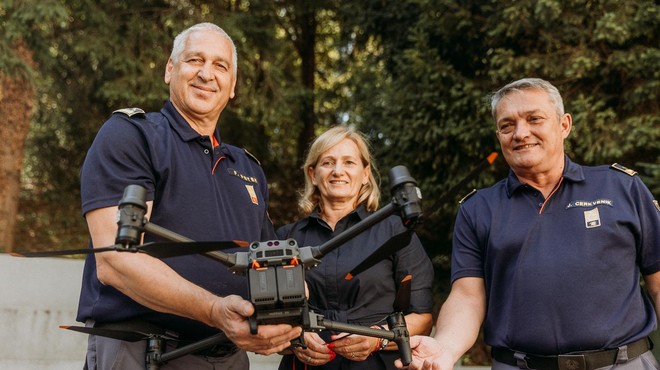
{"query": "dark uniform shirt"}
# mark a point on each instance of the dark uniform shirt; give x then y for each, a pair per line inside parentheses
(562, 274)
(201, 192)
(369, 297)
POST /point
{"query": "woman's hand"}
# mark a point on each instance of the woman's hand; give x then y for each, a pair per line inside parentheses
(354, 347)
(317, 353)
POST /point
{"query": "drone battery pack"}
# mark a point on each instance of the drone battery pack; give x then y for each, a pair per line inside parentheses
(291, 286)
(263, 288)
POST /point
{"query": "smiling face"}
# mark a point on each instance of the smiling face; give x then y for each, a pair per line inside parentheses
(202, 79)
(531, 132)
(339, 174)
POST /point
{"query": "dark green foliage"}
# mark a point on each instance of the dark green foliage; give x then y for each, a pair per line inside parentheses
(413, 74)
(424, 97)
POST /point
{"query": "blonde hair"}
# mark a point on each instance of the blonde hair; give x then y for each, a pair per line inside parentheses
(369, 193)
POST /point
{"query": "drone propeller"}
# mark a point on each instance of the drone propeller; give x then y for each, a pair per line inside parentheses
(126, 331)
(402, 300)
(176, 249)
(154, 249)
(482, 165)
(69, 252)
(395, 243)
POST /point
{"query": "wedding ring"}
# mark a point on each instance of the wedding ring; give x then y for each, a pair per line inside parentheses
(309, 358)
(352, 354)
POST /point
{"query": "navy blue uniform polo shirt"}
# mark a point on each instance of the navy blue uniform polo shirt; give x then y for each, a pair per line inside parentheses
(368, 297)
(562, 274)
(201, 192)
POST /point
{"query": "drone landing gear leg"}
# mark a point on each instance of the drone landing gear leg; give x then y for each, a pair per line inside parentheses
(155, 348)
(397, 324)
(254, 326)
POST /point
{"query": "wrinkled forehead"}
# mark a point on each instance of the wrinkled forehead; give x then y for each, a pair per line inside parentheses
(209, 42)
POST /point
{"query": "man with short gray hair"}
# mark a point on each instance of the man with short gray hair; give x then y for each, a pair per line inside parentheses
(197, 186)
(549, 260)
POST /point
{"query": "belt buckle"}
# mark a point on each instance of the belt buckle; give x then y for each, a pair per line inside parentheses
(571, 362)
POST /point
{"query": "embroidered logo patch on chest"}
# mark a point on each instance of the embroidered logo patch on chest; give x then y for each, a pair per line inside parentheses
(253, 194)
(592, 218)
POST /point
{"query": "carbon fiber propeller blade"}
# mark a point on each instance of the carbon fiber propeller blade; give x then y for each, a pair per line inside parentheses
(123, 333)
(155, 249)
(175, 249)
(402, 300)
(395, 243)
(69, 252)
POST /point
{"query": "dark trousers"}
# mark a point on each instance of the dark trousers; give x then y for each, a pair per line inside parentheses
(112, 354)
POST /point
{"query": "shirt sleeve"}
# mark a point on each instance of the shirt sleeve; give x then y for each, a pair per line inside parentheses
(118, 157)
(466, 256)
(649, 219)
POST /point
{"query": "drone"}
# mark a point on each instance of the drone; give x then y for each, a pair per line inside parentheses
(275, 272)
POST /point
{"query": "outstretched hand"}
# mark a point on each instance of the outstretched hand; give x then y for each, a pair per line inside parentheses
(427, 354)
(231, 315)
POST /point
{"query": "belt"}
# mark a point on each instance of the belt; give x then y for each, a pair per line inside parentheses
(571, 361)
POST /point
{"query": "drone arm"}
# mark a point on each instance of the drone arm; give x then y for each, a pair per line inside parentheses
(165, 233)
(227, 259)
(354, 230)
(358, 329)
(397, 333)
(193, 347)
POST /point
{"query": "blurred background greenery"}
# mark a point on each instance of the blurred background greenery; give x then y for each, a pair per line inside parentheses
(414, 75)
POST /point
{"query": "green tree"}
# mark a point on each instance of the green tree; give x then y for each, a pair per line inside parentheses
(413, 74)
(432, 65)
(19, 88)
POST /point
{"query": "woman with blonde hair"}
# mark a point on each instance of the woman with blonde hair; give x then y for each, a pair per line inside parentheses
(341, 189)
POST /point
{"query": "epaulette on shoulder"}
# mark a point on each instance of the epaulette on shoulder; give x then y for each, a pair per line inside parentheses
(473, 192)
(623, 169)
(130, 111)
(252, 156)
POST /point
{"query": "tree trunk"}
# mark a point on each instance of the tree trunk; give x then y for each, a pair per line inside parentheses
(17, 99)
(306, 50)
